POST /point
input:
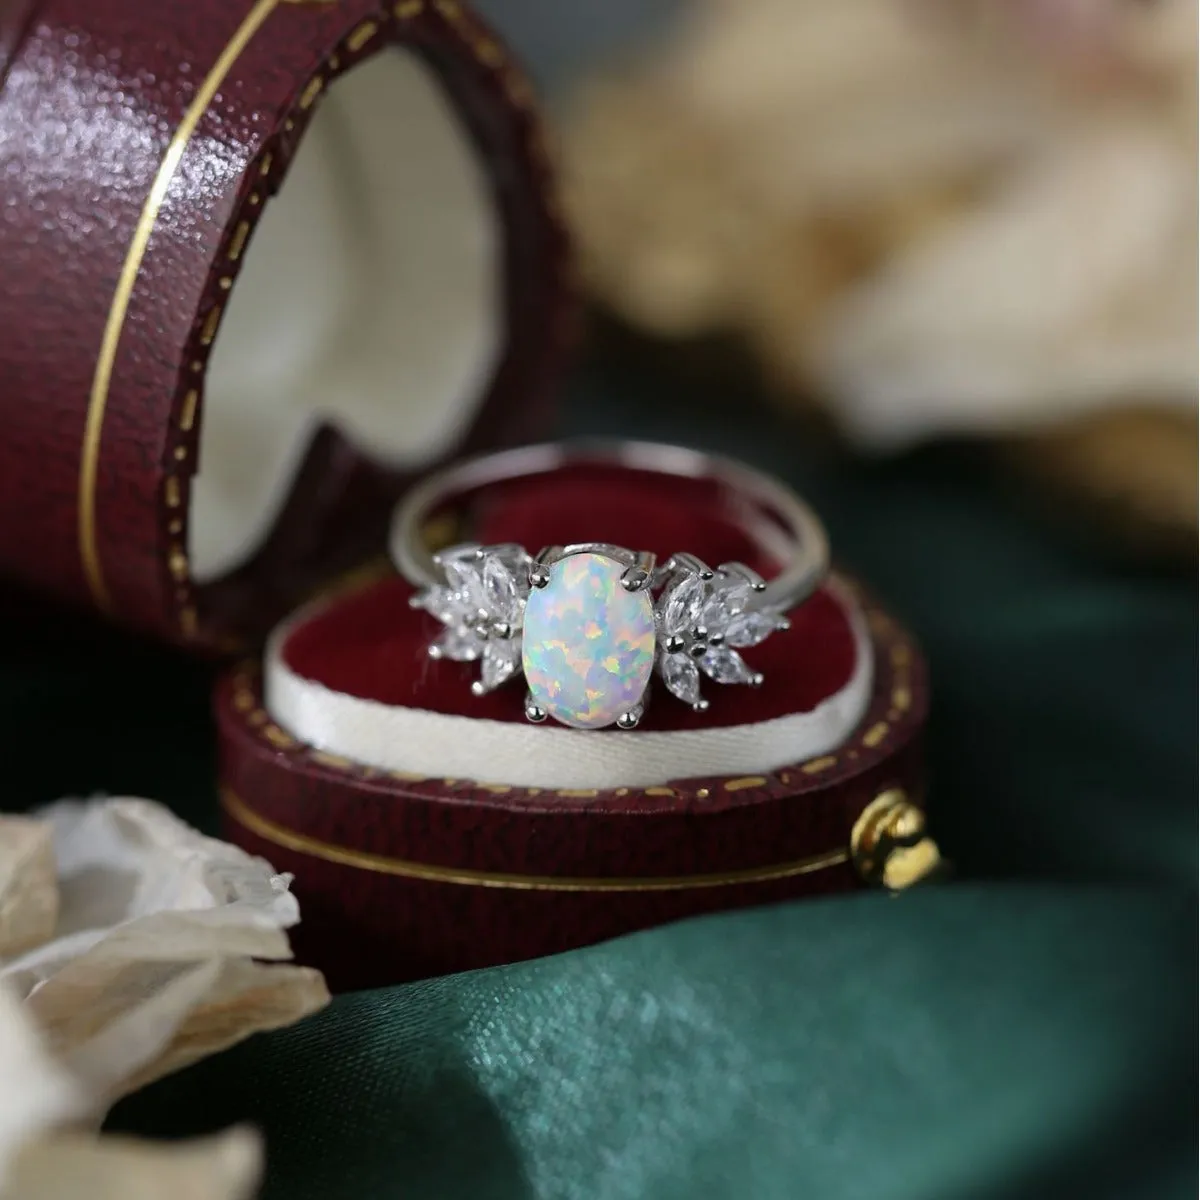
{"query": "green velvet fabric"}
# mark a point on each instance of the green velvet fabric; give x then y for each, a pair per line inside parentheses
(1026, 1029)
(834, 1049)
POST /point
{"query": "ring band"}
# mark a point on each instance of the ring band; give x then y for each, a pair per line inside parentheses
(583, 622)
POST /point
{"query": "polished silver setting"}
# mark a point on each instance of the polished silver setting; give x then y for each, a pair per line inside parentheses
(630, 719)
(703, 615)
(481, 605)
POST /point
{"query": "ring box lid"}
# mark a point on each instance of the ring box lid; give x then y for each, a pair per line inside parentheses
(285, 258)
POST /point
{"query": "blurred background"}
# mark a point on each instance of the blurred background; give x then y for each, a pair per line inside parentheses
(934, 262)
(903, 221)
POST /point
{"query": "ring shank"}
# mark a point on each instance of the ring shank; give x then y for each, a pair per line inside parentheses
(798, 539)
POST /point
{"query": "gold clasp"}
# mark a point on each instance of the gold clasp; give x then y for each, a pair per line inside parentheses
(888, 844)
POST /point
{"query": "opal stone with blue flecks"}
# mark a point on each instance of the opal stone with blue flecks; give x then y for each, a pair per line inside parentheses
(588, 644)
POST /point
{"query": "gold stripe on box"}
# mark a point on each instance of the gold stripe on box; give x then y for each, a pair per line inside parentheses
(102, 377)
(301, 843)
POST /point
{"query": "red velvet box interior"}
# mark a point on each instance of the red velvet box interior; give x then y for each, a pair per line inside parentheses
(371, 644)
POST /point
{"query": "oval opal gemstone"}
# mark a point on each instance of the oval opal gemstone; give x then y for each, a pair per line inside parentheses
(588, 644)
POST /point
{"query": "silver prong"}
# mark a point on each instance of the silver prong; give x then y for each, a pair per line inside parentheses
(700, 706)
(416, 600)
(689, 562)
(784, 624)
(481, 630)
(435, 652)
(698, 648)
(753, 578)
(539, 566)
(630, 719)
(674, 644)
(756, 680)
(716, 639)
(533, 711)
(477, 688)
(501, 629)
(639, 575)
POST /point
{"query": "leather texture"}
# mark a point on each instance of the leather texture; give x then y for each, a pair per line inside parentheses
(95, 470)
(367, 924)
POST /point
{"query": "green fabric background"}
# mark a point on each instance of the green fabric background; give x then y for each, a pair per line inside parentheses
(1025, 1030)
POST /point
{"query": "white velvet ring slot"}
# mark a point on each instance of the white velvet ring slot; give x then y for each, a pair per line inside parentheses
(396, 738)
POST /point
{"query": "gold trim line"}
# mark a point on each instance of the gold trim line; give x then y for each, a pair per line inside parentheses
(301, 843)
(102, 378)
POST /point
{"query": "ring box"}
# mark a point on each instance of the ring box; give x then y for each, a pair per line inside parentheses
(448, 833)
(249, 239)
(330, 260)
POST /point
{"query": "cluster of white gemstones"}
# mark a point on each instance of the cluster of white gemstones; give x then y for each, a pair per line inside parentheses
(482, 607)
(702, 618)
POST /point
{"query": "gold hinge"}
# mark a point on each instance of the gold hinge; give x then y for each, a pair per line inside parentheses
(889, 846)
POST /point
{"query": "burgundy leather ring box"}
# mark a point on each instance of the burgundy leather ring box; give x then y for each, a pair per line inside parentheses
(242, 240)
(430, 830)
(265, 262)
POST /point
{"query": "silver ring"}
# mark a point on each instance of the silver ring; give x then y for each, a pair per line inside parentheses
(589, 624)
